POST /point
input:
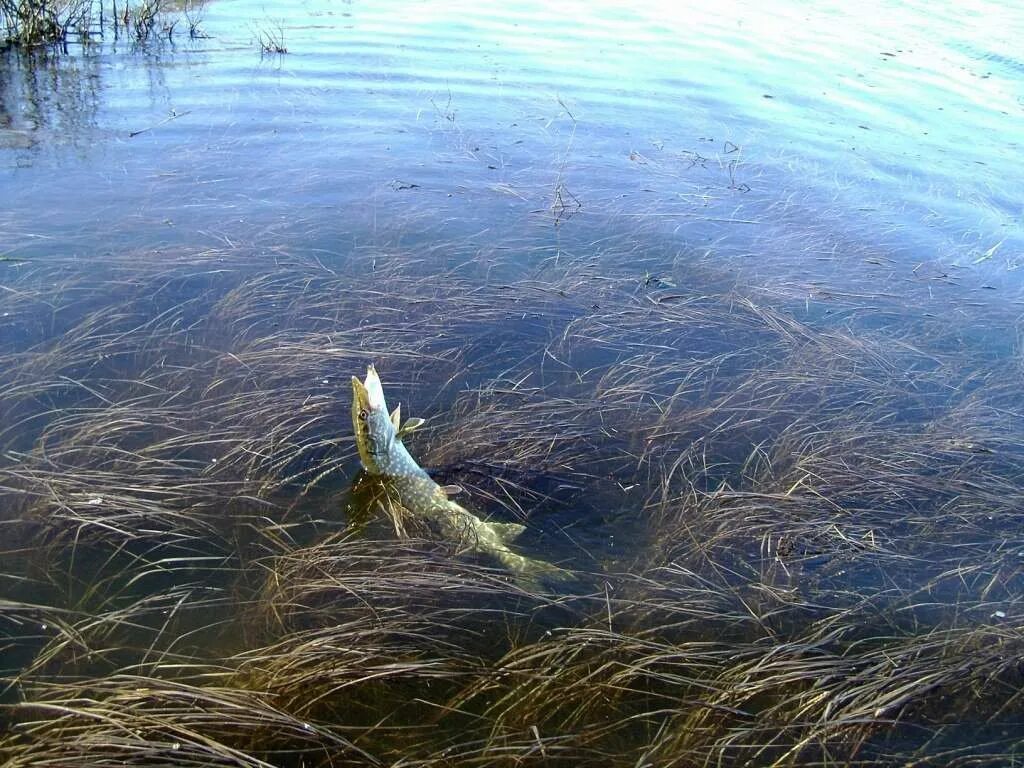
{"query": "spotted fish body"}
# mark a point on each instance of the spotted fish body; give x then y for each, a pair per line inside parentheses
(383, 454)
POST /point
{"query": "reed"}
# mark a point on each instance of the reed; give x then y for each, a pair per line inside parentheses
(34, 23)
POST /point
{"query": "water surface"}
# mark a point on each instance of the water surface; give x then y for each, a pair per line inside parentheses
(722, 301)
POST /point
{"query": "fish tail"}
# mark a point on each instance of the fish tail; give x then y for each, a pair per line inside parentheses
(534, 575)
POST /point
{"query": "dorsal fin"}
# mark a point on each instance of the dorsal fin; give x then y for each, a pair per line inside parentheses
(396, 416)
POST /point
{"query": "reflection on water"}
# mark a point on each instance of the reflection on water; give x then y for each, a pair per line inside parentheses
(721, 303)
(48, 99)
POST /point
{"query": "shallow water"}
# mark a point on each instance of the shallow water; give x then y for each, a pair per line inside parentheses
(881, 130)
(703, 294)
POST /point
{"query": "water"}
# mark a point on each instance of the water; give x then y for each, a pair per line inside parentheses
(869, 125)
(723, 302)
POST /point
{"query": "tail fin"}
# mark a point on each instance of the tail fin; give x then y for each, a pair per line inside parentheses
(534, 575)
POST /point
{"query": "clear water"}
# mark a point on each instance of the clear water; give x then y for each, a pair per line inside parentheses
(890, 130)
(857, 163)
(855, 167)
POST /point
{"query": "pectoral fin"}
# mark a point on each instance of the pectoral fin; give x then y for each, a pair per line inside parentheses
(396, 416)
(409, 426)
(451, 490)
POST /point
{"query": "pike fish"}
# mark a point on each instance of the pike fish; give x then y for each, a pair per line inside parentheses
(383, 454)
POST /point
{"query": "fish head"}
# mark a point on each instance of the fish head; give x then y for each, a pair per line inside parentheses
(373, 427)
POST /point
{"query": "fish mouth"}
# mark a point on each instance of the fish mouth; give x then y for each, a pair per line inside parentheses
(374, 390)
(368, 394)
(360, 396)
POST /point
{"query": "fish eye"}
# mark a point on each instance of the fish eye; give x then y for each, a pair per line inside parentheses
(363, 415)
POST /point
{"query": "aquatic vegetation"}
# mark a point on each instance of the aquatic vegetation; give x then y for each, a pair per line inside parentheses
(37, 22)
(271, 40)
(29, 22)
(140, 720)
(798, 539)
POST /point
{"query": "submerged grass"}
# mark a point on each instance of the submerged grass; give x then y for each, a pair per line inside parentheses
(797, 542)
